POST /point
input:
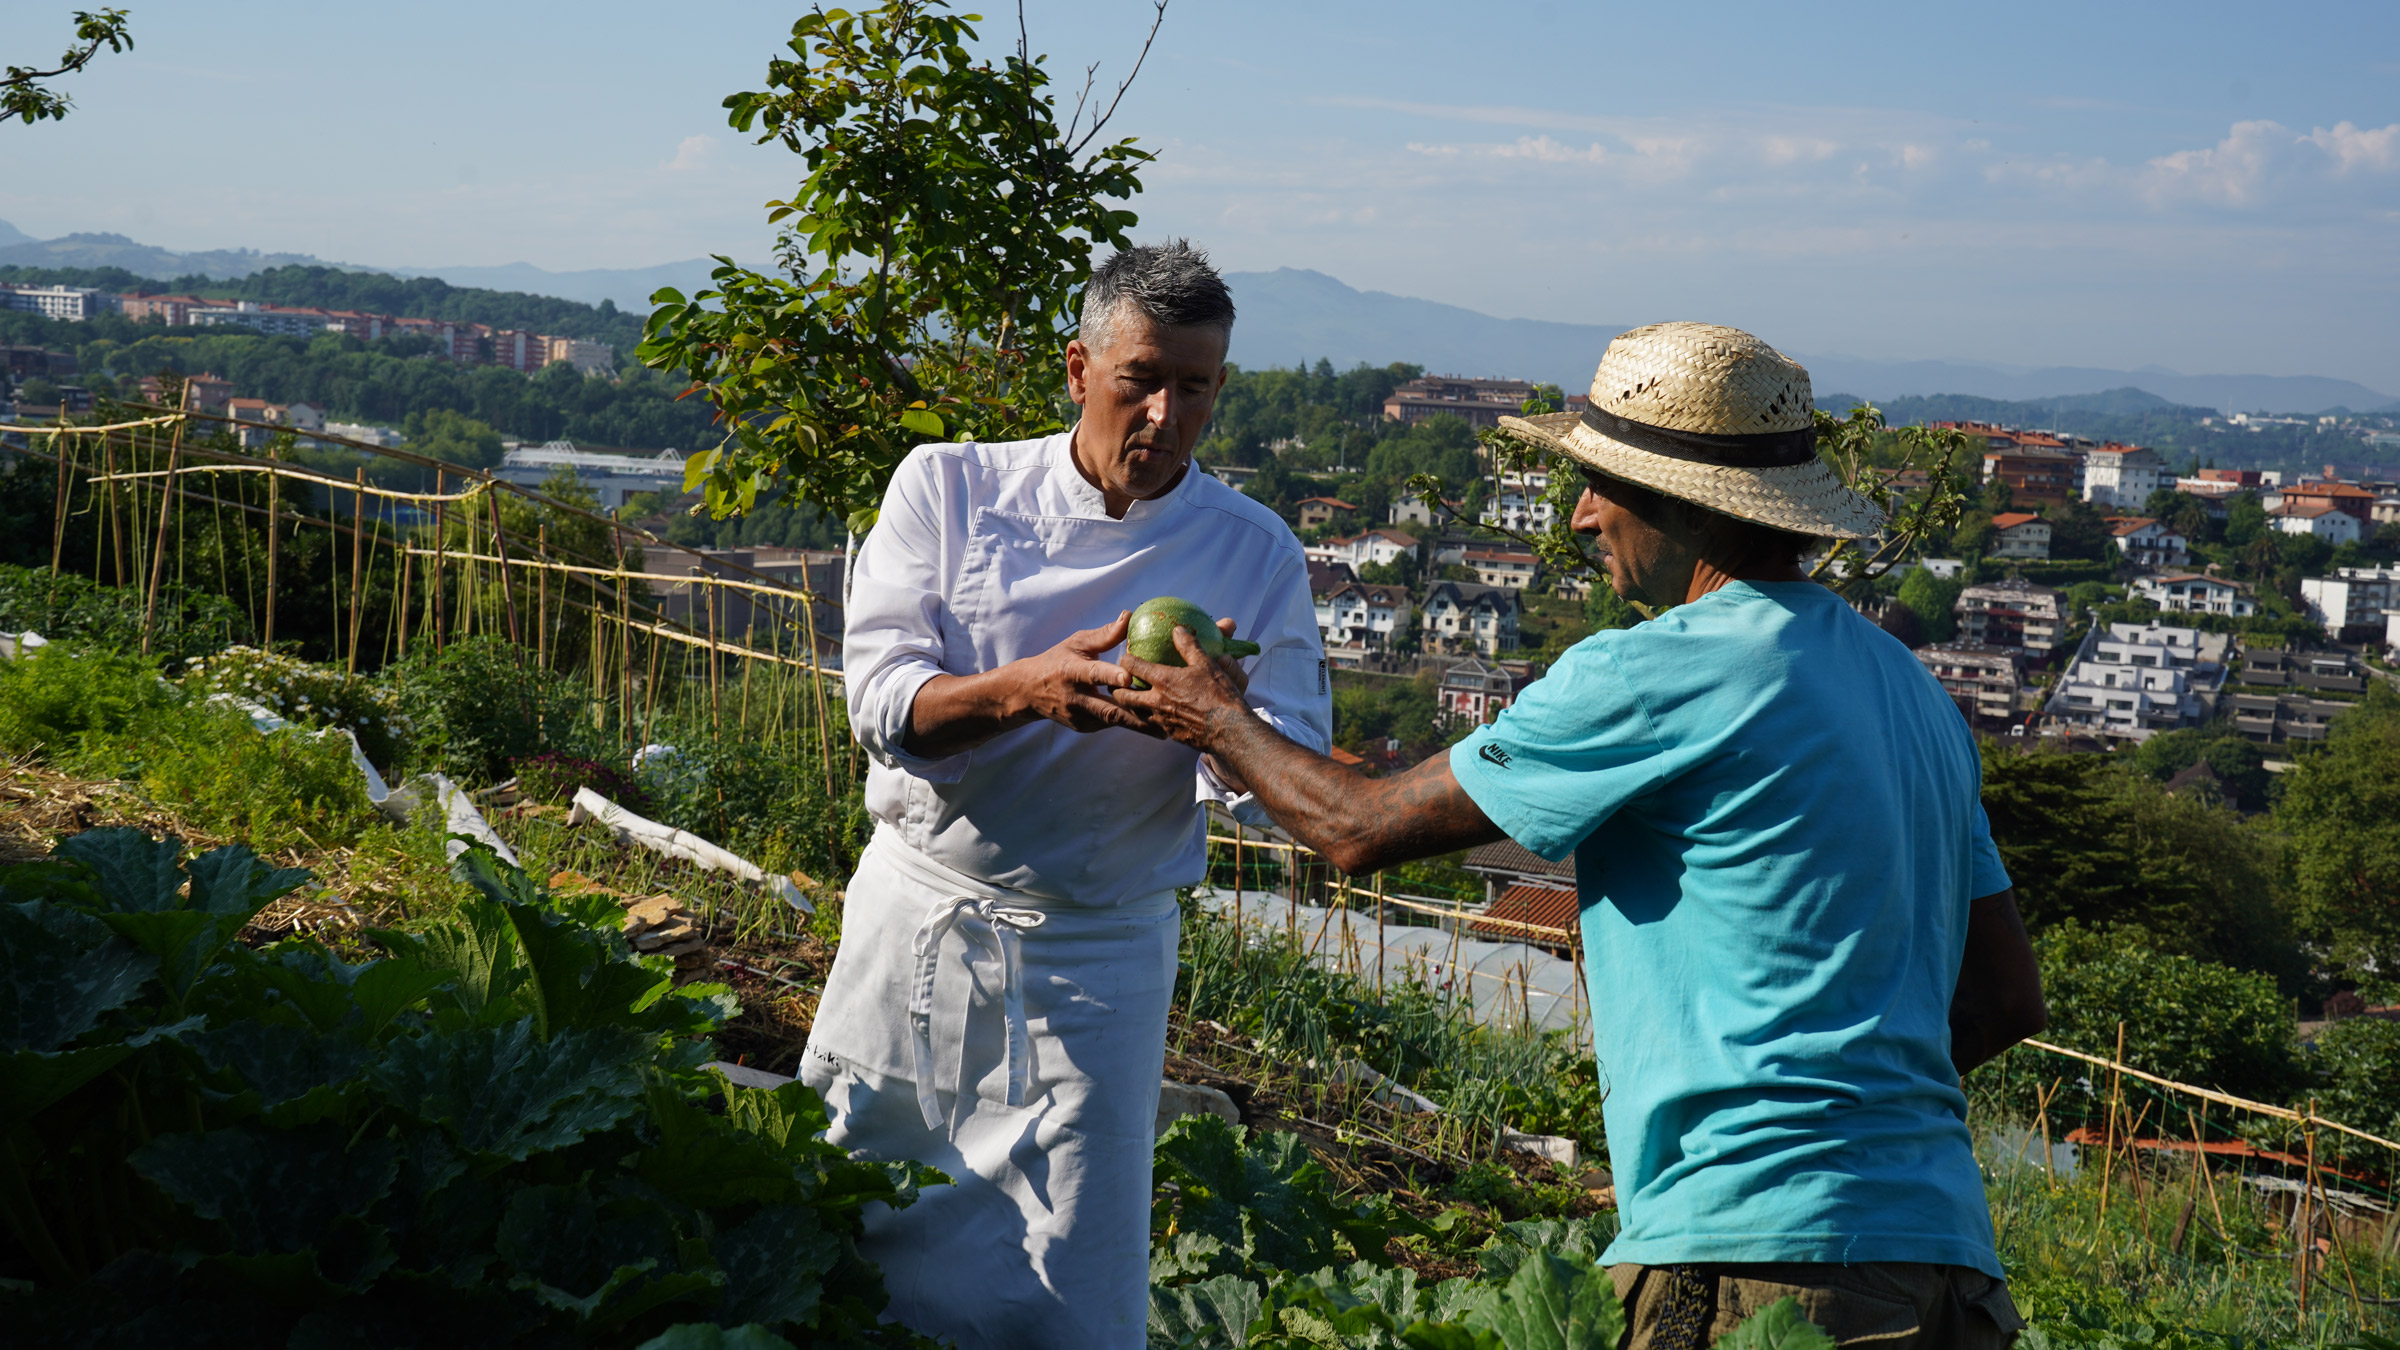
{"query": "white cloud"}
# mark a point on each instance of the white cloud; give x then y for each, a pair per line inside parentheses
(2353, 148)
(694, 153)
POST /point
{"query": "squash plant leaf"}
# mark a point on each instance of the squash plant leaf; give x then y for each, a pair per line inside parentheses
(276, 1191)
(1199, 1314)
(1552, 1303)
(1778, 1326)
(59, 972)
(774, 1265)
(505, 1092)
(132, 871)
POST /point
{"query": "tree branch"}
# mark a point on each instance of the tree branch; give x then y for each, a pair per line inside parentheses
(1158, 18)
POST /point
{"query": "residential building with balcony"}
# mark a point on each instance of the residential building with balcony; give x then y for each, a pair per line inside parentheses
(2351, 604)
(1356, 619)
(2011, 613)
(2035, 472)
(2147, 543)
(171, 310)
(1983, 681)
(2277, 719)
(2121, 475)
(1514, 568)
(2348, 498)
(2325, 672)
(1461, 616)
(2016, 534)
(58, 302)
(2132, 681)
(273, 320)
(1519, 502)
(2192, 593)
(588, 358)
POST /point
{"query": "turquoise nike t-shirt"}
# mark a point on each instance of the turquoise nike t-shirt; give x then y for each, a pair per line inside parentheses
(1777, 826)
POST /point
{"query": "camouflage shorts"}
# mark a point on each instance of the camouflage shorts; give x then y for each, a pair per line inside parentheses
(1891, 1305)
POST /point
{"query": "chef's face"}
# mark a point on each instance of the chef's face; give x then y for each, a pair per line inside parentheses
(1146, 391)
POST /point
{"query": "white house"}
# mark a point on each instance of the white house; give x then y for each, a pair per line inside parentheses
(1512, 568)
(2121, 475)
(1462, 616)
(2353, 597)
(1362, 618)
(2017, 534)
(2147, 543)
(2191, 593)
(1381, 546)
(1518, 502)
(2321, 519)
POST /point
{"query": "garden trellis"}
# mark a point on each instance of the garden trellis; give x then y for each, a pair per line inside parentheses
(146, 488)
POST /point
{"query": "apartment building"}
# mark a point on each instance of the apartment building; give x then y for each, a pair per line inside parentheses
(1984, 681)
(2121, 475)
(1479, 403)
(2289, 708)
(1380, 546)
(1514, 568)
(57, 302)
(2318, 518)
(1355, 618)
(2349, 498)
(1520, 502)
(2131, 681)
(2011, 613)
(2035, 472)
(2351, 604)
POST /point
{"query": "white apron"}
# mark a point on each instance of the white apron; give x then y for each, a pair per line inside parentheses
(1016, 1044)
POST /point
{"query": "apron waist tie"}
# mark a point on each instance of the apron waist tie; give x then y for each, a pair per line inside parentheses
(1004, 922)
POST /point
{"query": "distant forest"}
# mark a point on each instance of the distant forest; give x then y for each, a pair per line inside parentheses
(382, 382)
(373, 293)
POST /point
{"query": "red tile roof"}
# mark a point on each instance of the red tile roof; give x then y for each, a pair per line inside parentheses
(1540, 906)
(2012, 520)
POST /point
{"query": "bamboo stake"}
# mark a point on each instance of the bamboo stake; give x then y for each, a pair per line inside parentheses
(2108, 1155)
(624, 650)
(508, 597)
(58, 515)
(541, 581)
(166, 495)
(405, 559)
(816, 684)
(116, 524)
(716, 715)
(274, 538)
(2208, 1177)
(2333, 1220)
(441, 541)
(2042, 1100)
(358, 561)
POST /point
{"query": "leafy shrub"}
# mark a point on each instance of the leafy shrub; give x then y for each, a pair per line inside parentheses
(1231, 1203)
(189, 622)
(478, 704)
(498, 1135)
(551, 777)
(53, 697)
(2189, 1020)
(307, 693)
(212, 768)
(2358, 1069)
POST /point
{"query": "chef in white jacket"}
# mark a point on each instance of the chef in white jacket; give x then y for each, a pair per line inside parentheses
(998, 1006)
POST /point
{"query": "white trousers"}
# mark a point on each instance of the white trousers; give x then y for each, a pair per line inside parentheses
(1016, 1044)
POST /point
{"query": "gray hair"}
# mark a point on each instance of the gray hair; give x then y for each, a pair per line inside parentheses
(1171, 284)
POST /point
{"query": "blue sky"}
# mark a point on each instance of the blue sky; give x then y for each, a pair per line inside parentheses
(2206, 187)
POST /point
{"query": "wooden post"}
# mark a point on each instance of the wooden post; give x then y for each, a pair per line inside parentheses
(1237, 887)
(1379, 934)
(2304, 1223)
(116, 524)
(816, 684)
(166, 496)
(406, 563)
(2041, 1112)
(58, 509)
(624, 642)
(716, 713)
(2108, 1155)
(358, 557)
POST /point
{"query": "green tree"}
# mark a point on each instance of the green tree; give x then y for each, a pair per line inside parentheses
(21, 93)
(452, 438)
(935, 253)
(1933, 600)
(2245, 520)
(1604, 608)
(2341, 810)
(2190, 1020)
(2089, 843)
(2240, 765)
(2079, 531)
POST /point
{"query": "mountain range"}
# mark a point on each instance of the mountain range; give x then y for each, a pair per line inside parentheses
(1292, 316)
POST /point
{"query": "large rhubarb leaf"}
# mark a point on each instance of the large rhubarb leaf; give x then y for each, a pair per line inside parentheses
(506, 1092)
(276, 1191)
(133, 871)
(59, 972)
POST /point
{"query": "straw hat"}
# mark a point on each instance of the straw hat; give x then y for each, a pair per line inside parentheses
(1714, 416)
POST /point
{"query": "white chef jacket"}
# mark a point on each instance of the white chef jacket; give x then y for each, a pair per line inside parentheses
(984, 554)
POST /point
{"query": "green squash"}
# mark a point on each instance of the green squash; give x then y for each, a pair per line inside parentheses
(1152, 634)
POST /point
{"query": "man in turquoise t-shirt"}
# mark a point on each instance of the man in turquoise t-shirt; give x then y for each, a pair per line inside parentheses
(1796, 930)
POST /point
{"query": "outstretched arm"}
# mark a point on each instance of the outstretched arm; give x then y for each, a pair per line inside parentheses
(1360, 824)
(1999, 997)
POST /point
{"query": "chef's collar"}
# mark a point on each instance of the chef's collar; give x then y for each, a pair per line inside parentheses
(1088, 500)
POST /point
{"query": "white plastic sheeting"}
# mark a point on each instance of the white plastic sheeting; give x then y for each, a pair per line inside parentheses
(13, 643)
(1500, 983)
(675, 843)
(459, 816)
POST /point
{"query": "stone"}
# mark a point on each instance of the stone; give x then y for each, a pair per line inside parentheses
(1556, 1148)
